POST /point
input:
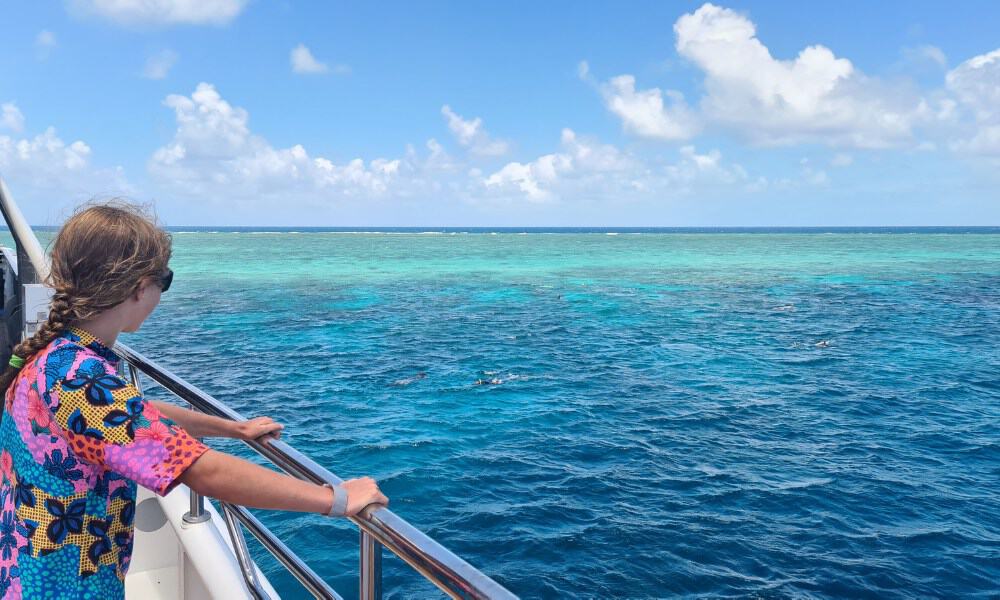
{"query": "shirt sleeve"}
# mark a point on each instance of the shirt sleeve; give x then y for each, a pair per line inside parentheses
(107, 422)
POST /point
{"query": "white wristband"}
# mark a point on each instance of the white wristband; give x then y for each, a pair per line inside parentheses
(339, 507)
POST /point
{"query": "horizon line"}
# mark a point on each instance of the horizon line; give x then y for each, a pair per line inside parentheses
(433, 227)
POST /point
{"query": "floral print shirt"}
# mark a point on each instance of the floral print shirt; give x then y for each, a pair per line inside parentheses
(75, 439)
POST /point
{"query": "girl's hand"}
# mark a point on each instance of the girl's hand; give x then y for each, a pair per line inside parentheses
(360, 493)
(261, 429)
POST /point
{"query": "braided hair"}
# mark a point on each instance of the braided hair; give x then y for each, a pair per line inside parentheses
(98, 259)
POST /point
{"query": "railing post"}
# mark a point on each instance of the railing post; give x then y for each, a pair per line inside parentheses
(196, 514)
(25, 274)
(242, 554)
(370, 568)
(31, 265)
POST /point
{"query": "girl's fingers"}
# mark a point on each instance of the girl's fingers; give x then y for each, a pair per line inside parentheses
(271, 426)
(258, 428)
(268, 433)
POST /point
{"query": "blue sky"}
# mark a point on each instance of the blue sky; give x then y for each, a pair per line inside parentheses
(236, 112)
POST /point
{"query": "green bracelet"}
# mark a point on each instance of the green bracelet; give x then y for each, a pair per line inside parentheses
(16, 361)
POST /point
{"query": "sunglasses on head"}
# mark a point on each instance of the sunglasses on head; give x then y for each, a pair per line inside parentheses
(166, 279)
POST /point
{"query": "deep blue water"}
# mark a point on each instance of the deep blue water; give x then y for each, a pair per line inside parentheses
(767, 414)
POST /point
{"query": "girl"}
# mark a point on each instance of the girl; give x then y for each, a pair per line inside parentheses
(75, 438)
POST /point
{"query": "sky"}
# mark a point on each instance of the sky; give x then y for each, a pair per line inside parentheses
(278, 113)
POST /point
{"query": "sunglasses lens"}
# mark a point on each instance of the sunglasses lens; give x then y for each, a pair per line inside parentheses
(168, 278)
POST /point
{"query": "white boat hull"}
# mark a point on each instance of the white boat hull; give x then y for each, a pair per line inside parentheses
(174, 560)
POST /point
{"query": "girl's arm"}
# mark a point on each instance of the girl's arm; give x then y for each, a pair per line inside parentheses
(200, 425)
(232, 479)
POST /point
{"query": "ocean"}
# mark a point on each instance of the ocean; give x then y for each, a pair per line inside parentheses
(630, 413)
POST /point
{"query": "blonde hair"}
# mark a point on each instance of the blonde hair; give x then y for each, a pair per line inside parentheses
(98, 259)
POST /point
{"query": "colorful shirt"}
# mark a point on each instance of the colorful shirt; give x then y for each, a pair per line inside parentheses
(75, 439)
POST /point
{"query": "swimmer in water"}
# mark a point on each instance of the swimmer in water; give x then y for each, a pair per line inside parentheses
(409, 380)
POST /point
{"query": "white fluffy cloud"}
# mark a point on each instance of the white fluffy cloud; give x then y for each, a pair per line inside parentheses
(645, 113)
(214, 154)
(985, 142)
(534, 180)
(585, 168)
(698, 172)
(158, 65)
(11, 117)
(926, 54)
(162, 12)
(472, 135)
(45, 166)
(45, 148)
(815, 97)
(976, 85)
(541, 178)
(304, 63)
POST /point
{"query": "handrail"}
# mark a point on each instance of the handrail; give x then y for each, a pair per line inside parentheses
(378, 525)
(306, 576)
(444, 569)
(22, 232)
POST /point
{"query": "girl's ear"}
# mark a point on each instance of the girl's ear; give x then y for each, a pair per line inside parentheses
(140, 291)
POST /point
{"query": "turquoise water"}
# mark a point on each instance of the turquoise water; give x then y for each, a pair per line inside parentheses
(720, 414)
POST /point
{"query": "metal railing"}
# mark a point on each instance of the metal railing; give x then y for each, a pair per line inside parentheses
(378, 526)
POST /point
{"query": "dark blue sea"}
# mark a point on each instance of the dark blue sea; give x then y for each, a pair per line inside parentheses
(622, 413)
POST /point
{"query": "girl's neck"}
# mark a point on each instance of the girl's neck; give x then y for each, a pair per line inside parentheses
(105, 326)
